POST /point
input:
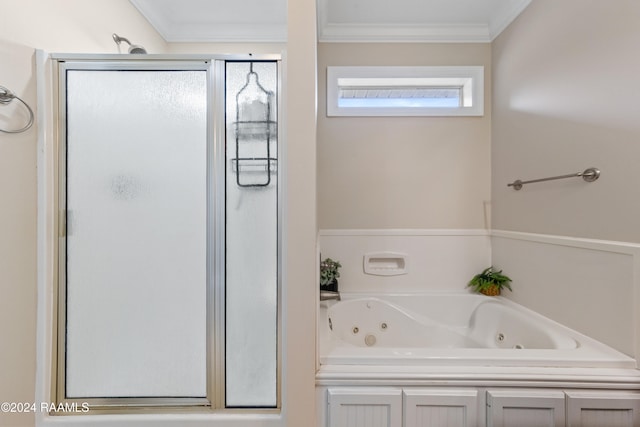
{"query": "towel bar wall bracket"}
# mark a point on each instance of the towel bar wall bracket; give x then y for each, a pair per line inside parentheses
(589, 175)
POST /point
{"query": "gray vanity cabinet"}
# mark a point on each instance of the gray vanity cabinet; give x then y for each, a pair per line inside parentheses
(556, 408)
(397, 407)
(371, 406)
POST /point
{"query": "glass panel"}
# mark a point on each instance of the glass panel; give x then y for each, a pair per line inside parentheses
(397, 96)
(136, 233)
(251, 235)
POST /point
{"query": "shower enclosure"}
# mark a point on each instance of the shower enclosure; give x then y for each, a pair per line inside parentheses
(168, 256)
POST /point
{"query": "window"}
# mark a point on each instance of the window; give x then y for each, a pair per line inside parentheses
(405, 91)
(168, 255)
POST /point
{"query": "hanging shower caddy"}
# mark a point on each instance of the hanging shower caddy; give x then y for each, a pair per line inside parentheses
(255, 129)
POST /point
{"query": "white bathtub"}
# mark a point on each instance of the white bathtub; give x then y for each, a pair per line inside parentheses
(451, 329)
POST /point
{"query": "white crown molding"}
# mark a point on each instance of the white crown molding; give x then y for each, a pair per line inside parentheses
(157, 20)
(173, 32)
(254, 33)
(404, 33)
(501, 21)
(354, 32)
(329, 30)
(476, 33)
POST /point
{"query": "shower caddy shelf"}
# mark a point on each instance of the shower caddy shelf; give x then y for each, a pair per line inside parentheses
(253, 124)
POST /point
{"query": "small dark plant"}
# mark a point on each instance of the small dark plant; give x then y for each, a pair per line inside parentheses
(489, 282)
(329, 271)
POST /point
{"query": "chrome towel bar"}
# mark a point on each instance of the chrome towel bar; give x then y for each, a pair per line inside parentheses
(589, 175)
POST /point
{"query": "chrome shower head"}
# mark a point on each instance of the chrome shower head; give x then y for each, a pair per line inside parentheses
(133, 48)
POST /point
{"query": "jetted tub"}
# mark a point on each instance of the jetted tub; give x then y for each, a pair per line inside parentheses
(459, 329)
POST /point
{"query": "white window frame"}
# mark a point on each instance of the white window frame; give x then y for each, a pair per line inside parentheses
(469, 78)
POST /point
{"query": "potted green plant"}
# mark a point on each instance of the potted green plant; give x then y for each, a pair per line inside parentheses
(490, 282)
(329, 273)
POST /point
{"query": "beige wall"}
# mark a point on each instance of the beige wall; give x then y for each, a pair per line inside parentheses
(565, 98)
(56, 26)
(76, 26)
(18, 241)
(403, 172)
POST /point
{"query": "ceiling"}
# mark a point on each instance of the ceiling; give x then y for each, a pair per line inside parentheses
(338, 20)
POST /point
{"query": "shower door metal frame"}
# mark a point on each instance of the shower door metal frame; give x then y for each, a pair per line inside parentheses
(214, 65)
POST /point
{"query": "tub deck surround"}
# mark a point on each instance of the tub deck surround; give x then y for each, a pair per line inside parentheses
(478, 376)
(405, 257)
(451, 329)
(601, 279)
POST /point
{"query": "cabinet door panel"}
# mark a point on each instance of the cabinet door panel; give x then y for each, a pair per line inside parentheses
(365, 407)
(440, 408)
(525, 408)
(603, 408)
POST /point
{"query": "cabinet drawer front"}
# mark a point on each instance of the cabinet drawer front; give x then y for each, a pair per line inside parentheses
(525, 408)
(440, 407)
(603, 408)
(365, 407)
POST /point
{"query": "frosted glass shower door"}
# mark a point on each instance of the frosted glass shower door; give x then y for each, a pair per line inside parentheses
(136, 233)
(251, 235)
